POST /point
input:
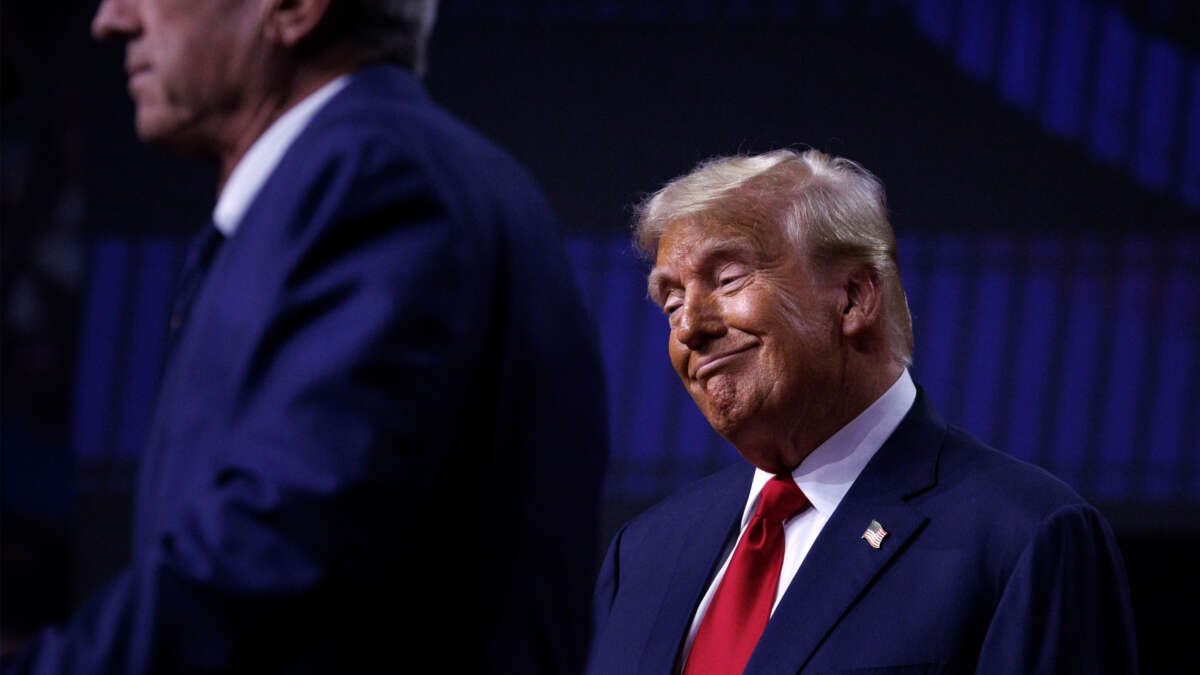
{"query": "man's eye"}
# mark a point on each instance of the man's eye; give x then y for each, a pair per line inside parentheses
(731, 274)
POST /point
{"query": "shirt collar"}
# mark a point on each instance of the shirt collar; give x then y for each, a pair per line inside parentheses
(260, 160)
(825, 476)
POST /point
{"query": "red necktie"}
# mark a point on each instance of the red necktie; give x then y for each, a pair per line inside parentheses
(742, 604)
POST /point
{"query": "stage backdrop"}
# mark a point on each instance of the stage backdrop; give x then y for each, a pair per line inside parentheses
(1042, 161)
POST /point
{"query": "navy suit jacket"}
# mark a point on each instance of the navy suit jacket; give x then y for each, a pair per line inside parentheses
(990, 565)
(380, 435)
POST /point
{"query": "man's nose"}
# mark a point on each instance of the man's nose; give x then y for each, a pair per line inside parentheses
(114, 19)
(699, 321)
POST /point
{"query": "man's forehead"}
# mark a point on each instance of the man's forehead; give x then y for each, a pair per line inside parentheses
(698, 240)
(718, 248)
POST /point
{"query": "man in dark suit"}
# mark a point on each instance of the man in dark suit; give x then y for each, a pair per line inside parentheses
(378, 442)
(865, 535)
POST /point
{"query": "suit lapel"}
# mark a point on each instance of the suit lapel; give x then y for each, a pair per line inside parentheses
(841, 564)
(702, 538)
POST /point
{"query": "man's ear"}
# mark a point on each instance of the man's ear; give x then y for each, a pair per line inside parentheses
(288, 22)
(864, 297)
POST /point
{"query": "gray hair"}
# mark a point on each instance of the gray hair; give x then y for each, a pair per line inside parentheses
(391, 30)
(830, 206)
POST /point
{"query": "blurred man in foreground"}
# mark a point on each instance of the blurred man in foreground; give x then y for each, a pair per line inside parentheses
(378, 440)
(864, 533)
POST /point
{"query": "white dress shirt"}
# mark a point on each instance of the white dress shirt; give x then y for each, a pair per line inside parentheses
(260, 160)
(824, 476)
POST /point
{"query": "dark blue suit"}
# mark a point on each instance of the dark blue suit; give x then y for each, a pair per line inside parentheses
(379, 437)
(990, 565)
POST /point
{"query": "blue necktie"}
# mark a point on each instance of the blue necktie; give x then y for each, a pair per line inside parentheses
(200, 254)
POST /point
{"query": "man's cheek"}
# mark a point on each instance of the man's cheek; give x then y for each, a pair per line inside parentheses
(679, 358)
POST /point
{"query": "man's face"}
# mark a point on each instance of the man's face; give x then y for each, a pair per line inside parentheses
(755, 334)
(188, 63)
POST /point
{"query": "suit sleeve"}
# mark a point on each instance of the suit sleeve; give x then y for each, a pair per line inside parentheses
(605, 594)
(1065, 608)
(607, 582)
(369, 349)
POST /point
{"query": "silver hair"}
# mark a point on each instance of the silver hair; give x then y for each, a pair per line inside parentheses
(392, 30)
(831, 207)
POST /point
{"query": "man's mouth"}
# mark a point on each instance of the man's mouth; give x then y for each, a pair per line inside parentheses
(135, 67)
(710, 364)
(136, 76)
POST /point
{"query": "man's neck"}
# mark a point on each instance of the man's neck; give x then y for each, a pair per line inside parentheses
(301, 81)
(780, 448)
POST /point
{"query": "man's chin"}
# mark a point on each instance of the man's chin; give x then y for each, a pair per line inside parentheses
(166, 132)
(723, 416)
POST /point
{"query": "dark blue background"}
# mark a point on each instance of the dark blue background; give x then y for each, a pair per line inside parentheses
(1043, 169)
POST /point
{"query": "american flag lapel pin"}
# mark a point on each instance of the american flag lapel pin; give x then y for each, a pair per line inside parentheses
(874, 534)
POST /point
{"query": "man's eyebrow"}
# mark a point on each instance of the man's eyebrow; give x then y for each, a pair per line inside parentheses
(738, 248)
(655, 282)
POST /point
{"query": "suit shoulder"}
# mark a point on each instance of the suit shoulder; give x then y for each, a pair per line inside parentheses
(387, 157)
(694, 501)
(414, 131)
(366, 153)
(998, 487)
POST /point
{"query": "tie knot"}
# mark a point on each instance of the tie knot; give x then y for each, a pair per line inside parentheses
(780, 499)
